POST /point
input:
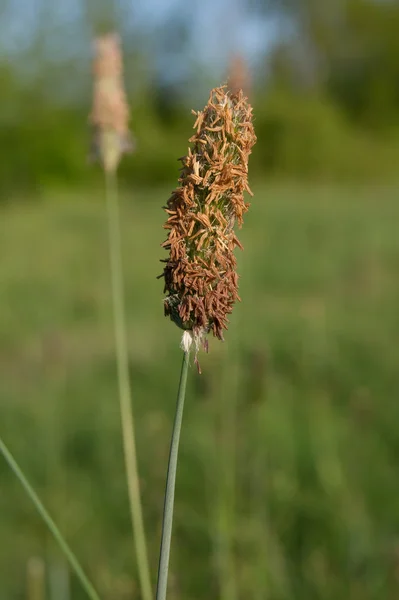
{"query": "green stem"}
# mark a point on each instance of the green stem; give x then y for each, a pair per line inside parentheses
(170, 485)
(127, 421)
(91, 592)
(224, 492)
(35, 579)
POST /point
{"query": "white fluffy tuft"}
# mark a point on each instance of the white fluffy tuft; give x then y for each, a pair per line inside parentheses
(186, 341)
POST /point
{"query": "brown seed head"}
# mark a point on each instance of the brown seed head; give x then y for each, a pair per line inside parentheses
(110, 113)
(200, 275)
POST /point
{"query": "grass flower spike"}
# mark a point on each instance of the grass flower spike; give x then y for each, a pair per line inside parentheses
(200, 275)
(110, 112)
(110, 117)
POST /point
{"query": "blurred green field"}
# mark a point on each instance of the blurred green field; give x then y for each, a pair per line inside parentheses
(288, 483)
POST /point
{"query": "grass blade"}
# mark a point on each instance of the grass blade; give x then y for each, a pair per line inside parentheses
(88, 587)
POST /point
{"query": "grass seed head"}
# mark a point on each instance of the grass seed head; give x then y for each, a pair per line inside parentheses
(201, 281)
(110, 112)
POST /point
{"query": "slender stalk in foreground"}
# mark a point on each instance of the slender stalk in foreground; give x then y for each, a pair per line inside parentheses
(200, 277)
(127, 421)
(87, 586)
(170, 485)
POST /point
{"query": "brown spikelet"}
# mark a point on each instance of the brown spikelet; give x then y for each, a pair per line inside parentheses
(239, 77)
(200, 275)
(110, 113)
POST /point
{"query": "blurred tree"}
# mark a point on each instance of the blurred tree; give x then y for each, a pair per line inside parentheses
(341, 57)
(348, 50)
(365, 77)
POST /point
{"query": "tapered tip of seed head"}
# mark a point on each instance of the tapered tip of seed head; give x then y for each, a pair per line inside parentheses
(107, 55)
(239, 75)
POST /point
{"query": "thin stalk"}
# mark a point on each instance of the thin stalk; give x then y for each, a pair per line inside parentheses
(87, 586)
(224, 493)
(36, 579)
(128, 435)
(59, 585)
(170, 485)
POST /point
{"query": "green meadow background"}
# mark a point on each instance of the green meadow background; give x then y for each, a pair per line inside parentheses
(288, 479)
(287, 483)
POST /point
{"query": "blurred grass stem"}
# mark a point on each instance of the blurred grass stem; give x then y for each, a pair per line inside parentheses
(88, 587)
(36, 579)
(170, 485)
(127, 421)
(224, 496)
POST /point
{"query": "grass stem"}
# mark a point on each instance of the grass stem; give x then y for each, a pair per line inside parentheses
(170, 485)
(88, 587)
(129, 443)
(35, 579)
(224, 488)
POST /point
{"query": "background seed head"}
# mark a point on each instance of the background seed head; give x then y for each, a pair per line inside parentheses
(110, 112)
